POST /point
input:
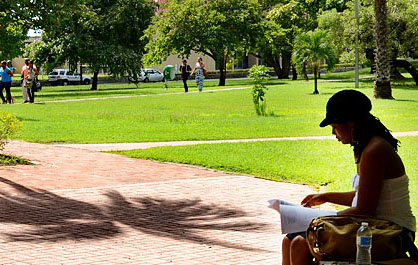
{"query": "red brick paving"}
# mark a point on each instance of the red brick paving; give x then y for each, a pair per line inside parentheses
(82, 207)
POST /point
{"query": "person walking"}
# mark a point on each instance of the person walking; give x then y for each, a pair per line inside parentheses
(24, 73)
(30, 81)
(6, 82)
(185, 70)
(199, 71)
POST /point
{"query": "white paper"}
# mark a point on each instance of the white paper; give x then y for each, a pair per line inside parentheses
(296, 218)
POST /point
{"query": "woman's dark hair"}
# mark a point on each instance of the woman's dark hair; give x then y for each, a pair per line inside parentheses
(367, 127)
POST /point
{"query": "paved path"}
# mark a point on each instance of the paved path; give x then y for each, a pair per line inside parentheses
(149, 95)
(77, 206)
(146, 145)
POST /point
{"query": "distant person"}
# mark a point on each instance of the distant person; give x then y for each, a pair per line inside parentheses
(185, 70)
(30, 81)
(6, 82)
(199, 73)
(24, 73)
(11, 68)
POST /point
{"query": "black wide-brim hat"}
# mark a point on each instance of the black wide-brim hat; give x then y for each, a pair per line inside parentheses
(346, 105)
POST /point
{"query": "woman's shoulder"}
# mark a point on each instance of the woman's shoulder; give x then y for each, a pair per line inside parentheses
(377, 149)
(381, 153)
(378, 144)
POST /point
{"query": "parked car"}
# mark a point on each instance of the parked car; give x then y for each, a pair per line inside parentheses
(65, 77)
(148, 75)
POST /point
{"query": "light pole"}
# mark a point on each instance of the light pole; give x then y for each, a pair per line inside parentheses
(357, 44)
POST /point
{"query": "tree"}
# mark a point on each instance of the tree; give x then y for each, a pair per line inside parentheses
(220, 29)
(12, 33)
(104, 34)
(312, 48)
(403, 36)
(282, 21)
(382, 87)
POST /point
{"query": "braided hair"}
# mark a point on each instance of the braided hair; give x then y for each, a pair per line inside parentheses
(367, 127)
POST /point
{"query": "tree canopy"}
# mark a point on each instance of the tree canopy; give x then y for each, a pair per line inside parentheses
(220, 29)
(312, 48)
(104, 34)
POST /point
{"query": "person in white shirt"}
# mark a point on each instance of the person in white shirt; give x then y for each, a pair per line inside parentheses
(24, 73)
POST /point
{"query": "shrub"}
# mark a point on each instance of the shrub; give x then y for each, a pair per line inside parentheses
(9, 125)
(259, 75)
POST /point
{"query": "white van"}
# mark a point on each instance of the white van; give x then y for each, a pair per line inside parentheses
(65, 77)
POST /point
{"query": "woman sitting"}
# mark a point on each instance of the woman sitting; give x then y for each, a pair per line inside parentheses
(381, 184)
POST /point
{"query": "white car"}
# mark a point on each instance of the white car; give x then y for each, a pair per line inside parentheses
(65, 77)
(148, 75)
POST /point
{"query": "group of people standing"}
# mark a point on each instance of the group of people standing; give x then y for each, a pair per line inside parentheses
(29, 74)
(199, 71)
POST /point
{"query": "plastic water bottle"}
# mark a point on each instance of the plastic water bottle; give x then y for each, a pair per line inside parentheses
(364, 245)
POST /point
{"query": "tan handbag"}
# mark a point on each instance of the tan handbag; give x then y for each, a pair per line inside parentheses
(334, 238)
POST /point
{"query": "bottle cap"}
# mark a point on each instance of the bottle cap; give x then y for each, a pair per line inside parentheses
(364, 223)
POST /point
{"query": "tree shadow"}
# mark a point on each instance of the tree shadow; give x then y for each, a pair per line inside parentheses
(180, 219)
(50, 217)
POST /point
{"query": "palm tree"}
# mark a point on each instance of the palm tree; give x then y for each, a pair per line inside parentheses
(312, 48)
(382, 87)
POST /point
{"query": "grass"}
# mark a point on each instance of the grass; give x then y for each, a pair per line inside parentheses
(312, 162)
(202, 116)
(49, 93)
(7, 160)
(222, 115)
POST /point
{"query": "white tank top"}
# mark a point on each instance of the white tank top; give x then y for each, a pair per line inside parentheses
(393, 203)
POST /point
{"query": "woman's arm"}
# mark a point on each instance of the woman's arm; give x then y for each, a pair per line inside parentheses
(341, 198)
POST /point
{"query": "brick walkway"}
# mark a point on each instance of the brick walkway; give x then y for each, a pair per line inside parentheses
(83, 207)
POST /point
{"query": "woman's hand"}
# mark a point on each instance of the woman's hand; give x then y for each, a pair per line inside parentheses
(313, 200)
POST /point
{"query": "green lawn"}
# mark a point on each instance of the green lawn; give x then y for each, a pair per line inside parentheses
(113, 90)
(200, 116)
(312, 162)
(222, 115)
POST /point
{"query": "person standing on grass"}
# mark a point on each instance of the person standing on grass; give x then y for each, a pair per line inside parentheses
(381, 186)
(199, 73)
(30, 81)
(24, 73)
(6, 82)
(185, 70)
(11, 68)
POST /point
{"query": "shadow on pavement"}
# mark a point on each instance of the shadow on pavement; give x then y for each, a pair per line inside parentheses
(50, 217)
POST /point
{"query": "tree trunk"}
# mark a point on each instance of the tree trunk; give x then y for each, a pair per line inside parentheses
(81, 74)
(294, 73)
(273, 62)
(316, 80)
(286, 63)
(382, 87)
(222, 70)
(305, 73)
(94, 81)
(408, 67)
(370, 57)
